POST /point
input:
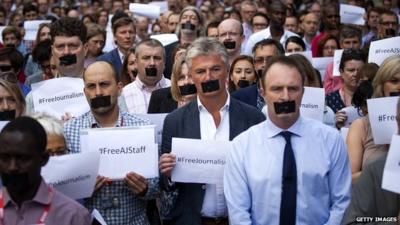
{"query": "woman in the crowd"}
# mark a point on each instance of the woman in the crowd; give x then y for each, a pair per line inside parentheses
(361, 147)
(43, 33)
(129, 68)
(56, 144)
(294, 44)
(182, 90)
(12, 101)
(242, 73)
(350, 63)
(96, 38)
(155, 28)
(327, 45)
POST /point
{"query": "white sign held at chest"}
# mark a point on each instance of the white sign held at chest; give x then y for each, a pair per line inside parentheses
(312, 104)
(123, 150)
(382, 116)
(199, 161)
(391, 174)
(59, 96)
(382, 49)
(336, 62)
(73, 175)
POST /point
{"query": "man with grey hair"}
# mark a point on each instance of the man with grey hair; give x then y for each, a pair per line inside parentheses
(230, 34)
(212, 116)
(150, 55)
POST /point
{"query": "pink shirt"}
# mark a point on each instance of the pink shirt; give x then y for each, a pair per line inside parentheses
(62, 211)
(331, 83)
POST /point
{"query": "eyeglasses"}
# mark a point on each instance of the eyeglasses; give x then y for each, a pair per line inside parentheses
(260, 60)
(388, 23)
(332, 16)
(58, 151)
(9, 77)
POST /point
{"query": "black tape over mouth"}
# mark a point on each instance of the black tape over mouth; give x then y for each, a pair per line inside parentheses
(187, 89)
(7, 115)
(151, 71)
(100, 101)
(243, 83)
(67, 60)
(285, 107)
(188, 26)
(210, 86)
(229, 44)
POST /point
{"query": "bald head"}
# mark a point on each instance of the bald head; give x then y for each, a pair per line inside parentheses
(230, 34)
(101, 67)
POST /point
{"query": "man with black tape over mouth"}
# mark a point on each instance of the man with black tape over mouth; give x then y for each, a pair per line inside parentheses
(388, 25)
(300, 156)
(102, 88)
(262, 51)
(230, 34)
(213, 115)
(150, 55)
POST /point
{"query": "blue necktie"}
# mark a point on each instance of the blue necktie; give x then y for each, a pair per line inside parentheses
(289, 184)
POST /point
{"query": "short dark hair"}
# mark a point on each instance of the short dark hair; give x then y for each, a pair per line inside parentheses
(14, 56)
(351, 54)
(259, 14)
(68, 27)
(42, 52)
(296, 40)
(123, 21)
(269, 41)
(29, 8)
(29, 127)
(118, 15)
(285, 60)
(152, 43)
(349, 31)
(11, 30)
(212, 24)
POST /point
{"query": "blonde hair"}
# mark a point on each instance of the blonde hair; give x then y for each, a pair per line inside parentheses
(16, 93)
(389, 68)
(176, 72)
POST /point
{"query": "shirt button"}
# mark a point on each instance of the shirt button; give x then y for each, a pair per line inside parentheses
(203, 187)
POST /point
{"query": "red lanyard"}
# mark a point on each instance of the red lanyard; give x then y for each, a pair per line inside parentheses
(42, 218)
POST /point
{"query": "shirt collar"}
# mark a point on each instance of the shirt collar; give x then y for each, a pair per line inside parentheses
(273, 130)
(95, 124)
(160, 84)
(42, 196)
(201, 107)
(121, 55)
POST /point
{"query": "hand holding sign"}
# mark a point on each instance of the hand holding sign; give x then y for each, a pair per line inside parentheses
(167, 164)
(138, 184)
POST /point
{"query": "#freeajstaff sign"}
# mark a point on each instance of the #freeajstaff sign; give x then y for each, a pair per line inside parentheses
(123, 150)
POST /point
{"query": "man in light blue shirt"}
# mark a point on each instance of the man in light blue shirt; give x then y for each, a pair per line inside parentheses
(256, 178)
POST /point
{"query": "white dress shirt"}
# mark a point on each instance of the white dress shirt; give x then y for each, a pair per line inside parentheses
(214, 204)
(264, 34)
(253, 174)
(137, 95)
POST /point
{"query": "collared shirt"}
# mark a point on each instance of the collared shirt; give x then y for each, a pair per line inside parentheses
(264, 34)
(115, 202)
(247, 32)
(137, 95)
(62, 211)
(214, 204)
(121, 56)
(253, 174)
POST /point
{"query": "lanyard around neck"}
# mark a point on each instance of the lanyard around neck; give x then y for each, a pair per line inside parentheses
(41, 219)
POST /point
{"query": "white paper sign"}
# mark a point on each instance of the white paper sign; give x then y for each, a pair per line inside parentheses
(96, 215)
(337, 56)
(146, 10)
(31, 27)
(382, 49)
(73, 175)
(123, 150)
(344, 131)
(59, 96)
(1, 31)
(307, 54)
(110, 43)
(352, 114)
(163, 5)
(165, 39)
(382, 116)
(3, 124)
(391, 173)
(320, 63)
(199, 161)
(158, 120)
(313, 102)
(350, 14)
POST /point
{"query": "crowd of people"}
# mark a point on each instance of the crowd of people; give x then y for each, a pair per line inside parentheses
(237, 71)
